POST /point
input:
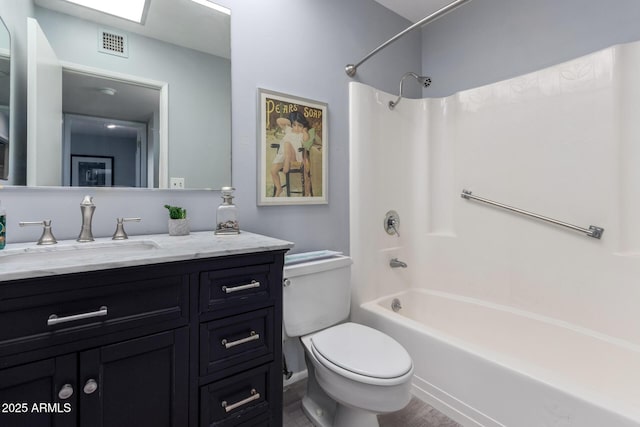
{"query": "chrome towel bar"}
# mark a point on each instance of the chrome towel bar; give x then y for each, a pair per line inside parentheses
(592, 231)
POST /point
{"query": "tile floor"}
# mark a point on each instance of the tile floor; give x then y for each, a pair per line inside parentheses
(416, 414)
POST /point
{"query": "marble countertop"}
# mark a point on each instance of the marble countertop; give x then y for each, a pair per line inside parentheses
(28, 260)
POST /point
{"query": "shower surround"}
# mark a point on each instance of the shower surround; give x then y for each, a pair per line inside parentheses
(562, 142)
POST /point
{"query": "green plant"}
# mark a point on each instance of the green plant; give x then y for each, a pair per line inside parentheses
(176, 212)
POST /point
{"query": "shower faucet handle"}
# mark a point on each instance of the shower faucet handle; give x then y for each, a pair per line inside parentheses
(392, 223)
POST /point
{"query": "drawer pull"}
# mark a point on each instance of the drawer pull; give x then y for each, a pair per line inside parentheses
(254, 396)
(54, 319)
(252, 337)
(253, 284)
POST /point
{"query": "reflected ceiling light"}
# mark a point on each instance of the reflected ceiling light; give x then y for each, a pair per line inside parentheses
(107, 91)
(131, 10)
(111, 126)
(213, 6)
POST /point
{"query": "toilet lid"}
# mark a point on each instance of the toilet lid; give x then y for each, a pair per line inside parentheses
(362, 350)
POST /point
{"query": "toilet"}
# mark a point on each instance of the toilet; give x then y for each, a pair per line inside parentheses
(354, 372)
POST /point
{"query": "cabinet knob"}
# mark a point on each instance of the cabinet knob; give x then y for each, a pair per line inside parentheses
(65, 392)
(90, 386)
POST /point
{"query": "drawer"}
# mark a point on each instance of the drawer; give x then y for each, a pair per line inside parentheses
(236, 339)
(235, 286)
(241, 400)
(74, 312)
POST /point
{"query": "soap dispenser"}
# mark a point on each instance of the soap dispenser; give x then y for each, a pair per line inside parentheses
(227, 214)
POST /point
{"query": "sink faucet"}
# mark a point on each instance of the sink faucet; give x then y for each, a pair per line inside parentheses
(395, 263)
(86, 207)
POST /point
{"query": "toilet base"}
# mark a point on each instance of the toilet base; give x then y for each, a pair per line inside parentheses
(319, 416)
(350, 417)
(323, 411)
(316, 405)
(337, 416)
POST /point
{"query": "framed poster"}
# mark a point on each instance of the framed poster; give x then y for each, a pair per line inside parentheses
(292, 152)
(91, 171)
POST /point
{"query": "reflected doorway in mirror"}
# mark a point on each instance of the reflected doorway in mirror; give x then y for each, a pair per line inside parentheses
(91, 171)
(125, 142)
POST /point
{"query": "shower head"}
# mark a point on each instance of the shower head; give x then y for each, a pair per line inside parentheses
(423, 80)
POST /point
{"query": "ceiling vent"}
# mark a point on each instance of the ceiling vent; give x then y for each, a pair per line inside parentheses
(113, 43)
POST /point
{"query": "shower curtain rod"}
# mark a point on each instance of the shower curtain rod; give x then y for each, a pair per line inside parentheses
(351, 69)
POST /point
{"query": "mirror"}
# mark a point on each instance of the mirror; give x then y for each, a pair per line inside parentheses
(160, 91)
(5, 92)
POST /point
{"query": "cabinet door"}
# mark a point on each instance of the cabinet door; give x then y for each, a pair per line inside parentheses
(40, 394)
(141, 382)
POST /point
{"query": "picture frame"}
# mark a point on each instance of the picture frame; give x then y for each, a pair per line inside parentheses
(292, 150)
(91, 171)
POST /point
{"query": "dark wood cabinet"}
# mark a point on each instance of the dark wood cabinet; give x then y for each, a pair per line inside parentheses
(189, 343)
(136, 383)
(24, 389)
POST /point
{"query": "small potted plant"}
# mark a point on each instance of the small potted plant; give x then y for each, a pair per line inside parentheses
(178, 222)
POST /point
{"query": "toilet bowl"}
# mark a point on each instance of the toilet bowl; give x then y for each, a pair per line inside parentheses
(362, 369)
(354, 372)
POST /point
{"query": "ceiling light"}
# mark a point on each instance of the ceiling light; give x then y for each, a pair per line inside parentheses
(213, 6)
(131, 10)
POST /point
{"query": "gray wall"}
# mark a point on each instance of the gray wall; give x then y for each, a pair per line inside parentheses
(485, 41)
(298, 47)
(310, 63)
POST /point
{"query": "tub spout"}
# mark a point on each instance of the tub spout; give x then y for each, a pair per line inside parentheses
(395, 263)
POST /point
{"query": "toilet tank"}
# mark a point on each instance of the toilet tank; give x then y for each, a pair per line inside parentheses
(316, 295)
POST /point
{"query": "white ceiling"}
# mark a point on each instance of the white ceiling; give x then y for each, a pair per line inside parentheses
(414, 10)
(81, 95)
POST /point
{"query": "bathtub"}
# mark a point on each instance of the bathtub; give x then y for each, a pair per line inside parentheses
(488, 365)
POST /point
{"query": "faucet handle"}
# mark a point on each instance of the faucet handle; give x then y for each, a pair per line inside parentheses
(120, 234)
(47, 235)
(392, 223)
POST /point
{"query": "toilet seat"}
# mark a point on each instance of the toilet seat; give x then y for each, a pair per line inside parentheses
(362, 354)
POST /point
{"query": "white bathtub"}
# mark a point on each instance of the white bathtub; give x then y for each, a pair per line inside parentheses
(489, 365)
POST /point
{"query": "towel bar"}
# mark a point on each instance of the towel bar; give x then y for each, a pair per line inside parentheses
(592, 231)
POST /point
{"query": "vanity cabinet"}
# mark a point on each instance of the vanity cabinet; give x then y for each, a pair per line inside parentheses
(138, 382)
(241, 345)
(185, 343)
